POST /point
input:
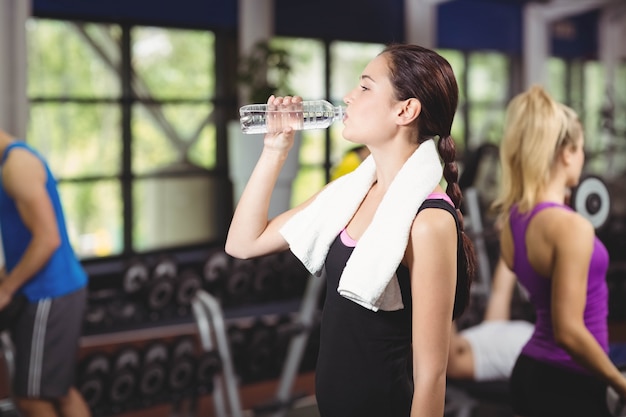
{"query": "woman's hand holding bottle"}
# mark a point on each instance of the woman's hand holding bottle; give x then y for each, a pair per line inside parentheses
(283, 117)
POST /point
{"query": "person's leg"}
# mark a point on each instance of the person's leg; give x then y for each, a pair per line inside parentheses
(46, 352)
(542, 390)
(64, 330)
(73, 405)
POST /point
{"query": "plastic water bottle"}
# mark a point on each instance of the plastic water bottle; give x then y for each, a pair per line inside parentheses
(316, 114)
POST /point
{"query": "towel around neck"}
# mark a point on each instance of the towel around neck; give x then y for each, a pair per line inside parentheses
(369, 276)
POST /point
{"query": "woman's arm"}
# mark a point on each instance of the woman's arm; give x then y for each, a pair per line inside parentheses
(432, 259)
(251, 234)
(502, 287)
(573, 246)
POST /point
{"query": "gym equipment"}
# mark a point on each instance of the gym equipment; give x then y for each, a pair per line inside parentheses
(239, 282)
(160, 289)
(124, 375)
(165, 267)
(265, 280)
(93, 376)
(217, 266)
(260, 351)
(617, 405)
(187, 284)
(591, 199)
(483, 285)
(458, 403)
(210, 323)
(237, 335)
(305, 323)
(294, 276)
(135, 276)
(182, 365)
(209, 364)
(153, 373)
(215, 272)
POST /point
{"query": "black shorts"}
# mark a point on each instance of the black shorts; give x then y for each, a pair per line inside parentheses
(46, 337)
(539, 389)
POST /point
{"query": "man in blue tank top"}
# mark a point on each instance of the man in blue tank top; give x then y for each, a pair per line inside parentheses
(41, 266)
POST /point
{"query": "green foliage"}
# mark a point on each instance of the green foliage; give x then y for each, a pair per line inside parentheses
(265, 71)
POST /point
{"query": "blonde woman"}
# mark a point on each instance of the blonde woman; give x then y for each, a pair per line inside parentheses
(564, 369)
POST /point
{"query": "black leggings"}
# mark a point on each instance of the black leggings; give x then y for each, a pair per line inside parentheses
(539, 389)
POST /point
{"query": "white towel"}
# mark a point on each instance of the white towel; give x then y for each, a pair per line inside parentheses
(369, 277)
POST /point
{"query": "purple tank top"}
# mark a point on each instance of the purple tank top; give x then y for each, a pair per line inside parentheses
(541, 345)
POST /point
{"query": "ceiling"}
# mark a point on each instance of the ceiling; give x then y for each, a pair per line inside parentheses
(461, 24)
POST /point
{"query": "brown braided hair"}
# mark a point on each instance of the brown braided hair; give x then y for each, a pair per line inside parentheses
(418, 72)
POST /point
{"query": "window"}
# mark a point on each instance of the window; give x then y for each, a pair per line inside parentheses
(125, 117)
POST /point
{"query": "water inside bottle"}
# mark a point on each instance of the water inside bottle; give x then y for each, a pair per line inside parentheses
(271, 121)
(257, 119)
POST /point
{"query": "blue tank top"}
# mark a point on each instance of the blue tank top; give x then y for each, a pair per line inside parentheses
(541, 345)
(63, 273)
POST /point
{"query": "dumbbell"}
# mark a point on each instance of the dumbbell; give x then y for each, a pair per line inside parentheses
(188, 283)
(153, 374)
(124, 375)
(93, 376)
(286, 328)
(266, 277)
(294, 277)
(136, 275)
(616, 405)
(182, 368)
(96, 312)
(216, 270)
(159, 291)
(121, 310)
(260, 350)
(239, 282)
(237, 340)
(209, 364)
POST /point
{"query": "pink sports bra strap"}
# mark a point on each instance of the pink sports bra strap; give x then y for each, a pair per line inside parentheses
(440, 196)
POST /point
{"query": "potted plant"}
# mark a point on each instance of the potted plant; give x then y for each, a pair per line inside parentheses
(263, 71)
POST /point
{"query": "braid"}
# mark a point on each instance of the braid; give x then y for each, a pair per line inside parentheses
(447, 152)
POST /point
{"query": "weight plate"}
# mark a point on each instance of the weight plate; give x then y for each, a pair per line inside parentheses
(165, 268)
(98, 363)
(188, 283)
(160, 294)
(216, 267)
(135, 277)
(183, 347)
(152, 379)
(127, 358)
(591, 199)
(156, 353)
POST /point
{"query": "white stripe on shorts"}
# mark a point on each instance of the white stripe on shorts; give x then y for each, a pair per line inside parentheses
(36, 353)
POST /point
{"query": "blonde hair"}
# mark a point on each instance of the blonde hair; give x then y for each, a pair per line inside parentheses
(536, 129)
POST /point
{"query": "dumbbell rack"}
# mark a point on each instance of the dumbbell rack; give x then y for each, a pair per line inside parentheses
(261, 312)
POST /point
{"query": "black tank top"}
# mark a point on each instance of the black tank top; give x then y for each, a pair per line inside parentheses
(364, 363)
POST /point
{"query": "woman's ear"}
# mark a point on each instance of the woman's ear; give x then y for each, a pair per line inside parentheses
(410, 109)
(567, 153)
